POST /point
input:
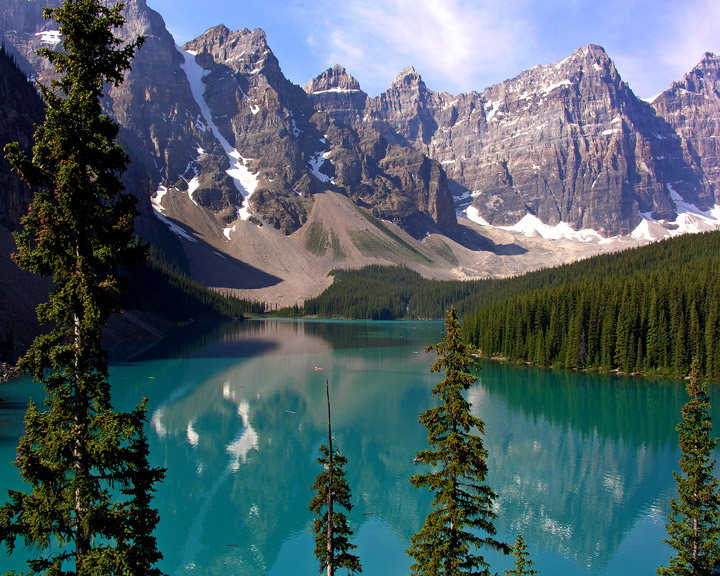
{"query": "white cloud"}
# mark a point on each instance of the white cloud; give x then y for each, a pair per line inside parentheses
(450, 43)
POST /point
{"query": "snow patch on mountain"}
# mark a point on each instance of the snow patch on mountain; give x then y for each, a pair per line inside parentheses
(473, 214)
(229, 230)
(337, 91)
(156, 200)
(690, 220)
(159, 211)
(316, 163)
(193, 185)
(245, 181)
(51, 37)
(531, 226)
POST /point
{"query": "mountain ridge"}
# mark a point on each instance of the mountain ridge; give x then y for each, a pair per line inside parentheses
(240, 172)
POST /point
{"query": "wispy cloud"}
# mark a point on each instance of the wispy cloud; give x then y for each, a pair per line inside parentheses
(676, 36)
(451, 43)
(695, 29)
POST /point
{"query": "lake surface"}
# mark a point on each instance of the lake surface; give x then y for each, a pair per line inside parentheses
(582, 464)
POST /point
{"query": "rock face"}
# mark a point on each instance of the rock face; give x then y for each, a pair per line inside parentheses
(264, 118)
(22, 110)
(395, 181)
(227, 147)
(568, 142)
(692, 108)
(338, 94)
(219, 122)
(292, 150)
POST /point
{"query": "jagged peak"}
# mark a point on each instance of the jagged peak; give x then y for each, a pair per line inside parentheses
(594, 49)
(335, 79)
(590, 61)
(408, 71)
(221, 34)
(590, 53)
(709, 61)
(408, 78)
(243, 49)
(695, 80)
(219, 30)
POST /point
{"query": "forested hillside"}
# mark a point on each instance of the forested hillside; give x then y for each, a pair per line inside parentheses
(393, 293)
(648, 310)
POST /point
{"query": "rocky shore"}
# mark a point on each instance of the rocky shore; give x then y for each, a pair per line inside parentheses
(8, 372)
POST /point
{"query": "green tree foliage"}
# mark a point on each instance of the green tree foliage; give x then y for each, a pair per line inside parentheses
(694, 523)
(332, 532)
(371, 293)
(462, 517)
(88, 509)
(647, 311)
(523, 564)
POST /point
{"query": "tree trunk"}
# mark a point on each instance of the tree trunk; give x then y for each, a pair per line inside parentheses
(82, 536)
(330, 499)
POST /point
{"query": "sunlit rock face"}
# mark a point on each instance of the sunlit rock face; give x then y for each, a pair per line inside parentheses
(295, 150)
(218, 125)
(218, 122)
(692, 108)
(568, 142)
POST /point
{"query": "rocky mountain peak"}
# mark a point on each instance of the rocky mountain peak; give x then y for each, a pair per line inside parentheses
(692, 108)
(709, 60)
(244, 50)
(703, 77)
(335, 79)
(594, 60)
(587, 65)
(408, 79)
(338, 94)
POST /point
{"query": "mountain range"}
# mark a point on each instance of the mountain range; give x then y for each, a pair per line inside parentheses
(258, 186)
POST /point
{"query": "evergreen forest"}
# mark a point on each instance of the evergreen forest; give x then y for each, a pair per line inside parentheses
(646, 310)
(650, 310)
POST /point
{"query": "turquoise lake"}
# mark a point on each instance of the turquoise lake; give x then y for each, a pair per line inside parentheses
(582, 464)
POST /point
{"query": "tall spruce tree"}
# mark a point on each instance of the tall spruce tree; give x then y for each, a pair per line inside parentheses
(463, 503)
(332, 532)
(694, 523)
(88, 508)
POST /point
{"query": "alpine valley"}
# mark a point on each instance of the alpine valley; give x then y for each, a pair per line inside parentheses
(255, 185)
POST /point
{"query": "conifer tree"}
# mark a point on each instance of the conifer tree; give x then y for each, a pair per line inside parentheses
(523, 564)
(694, 523)
(88, 507)
(332, 532)
(463, 503)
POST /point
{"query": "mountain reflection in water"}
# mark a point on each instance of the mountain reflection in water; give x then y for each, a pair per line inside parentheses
(582, 464)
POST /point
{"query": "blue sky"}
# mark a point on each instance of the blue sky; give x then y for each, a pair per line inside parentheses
(463, 45)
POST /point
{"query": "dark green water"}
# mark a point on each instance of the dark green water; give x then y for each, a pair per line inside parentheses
(582, 464)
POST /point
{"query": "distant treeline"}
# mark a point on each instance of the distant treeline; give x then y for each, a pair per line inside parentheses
(650, 309)
(394, 293)
(647, 310)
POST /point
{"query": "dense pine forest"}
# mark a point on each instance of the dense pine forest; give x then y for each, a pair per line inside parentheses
(649, 310)
(394, 293)
(645, 310)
